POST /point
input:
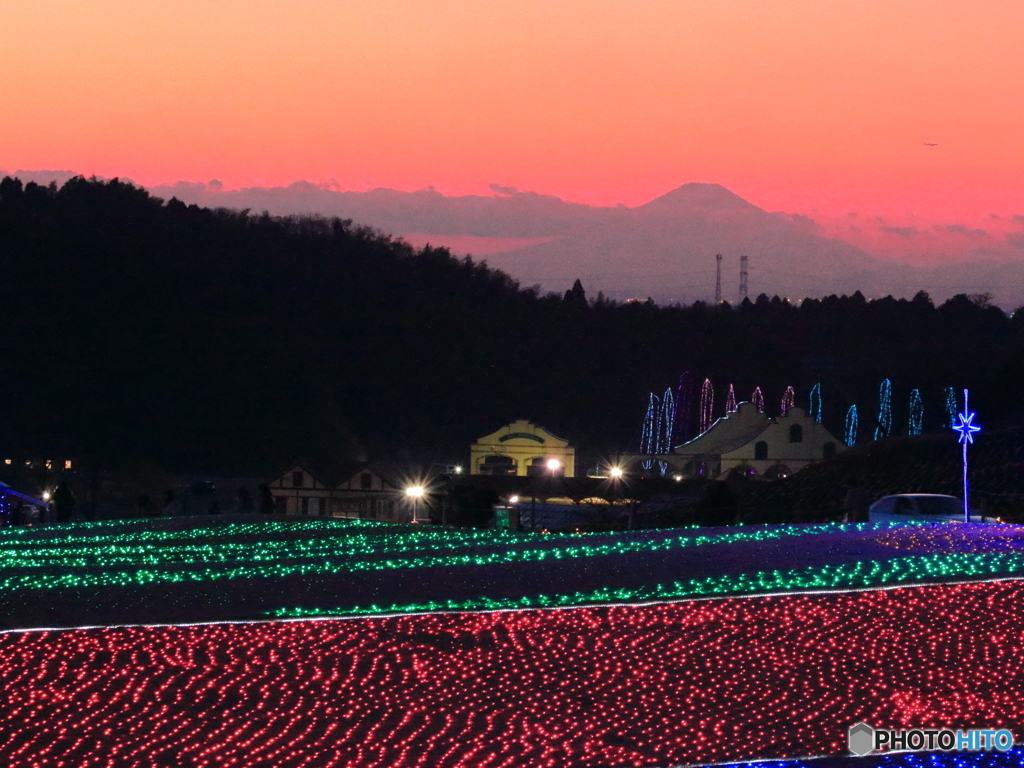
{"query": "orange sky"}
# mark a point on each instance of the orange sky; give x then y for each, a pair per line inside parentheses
(813, 106)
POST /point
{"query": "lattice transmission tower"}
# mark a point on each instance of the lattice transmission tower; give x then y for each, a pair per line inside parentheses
(718, 278)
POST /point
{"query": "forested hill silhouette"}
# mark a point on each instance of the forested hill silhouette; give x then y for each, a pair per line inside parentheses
(222, 341)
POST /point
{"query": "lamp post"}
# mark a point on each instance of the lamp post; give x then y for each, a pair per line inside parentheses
(415, 493)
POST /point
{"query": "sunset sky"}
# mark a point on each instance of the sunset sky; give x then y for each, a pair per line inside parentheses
(821, 107)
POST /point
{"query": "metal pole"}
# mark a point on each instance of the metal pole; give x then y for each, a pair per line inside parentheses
(967, 511)
(966, 428)
(718, 278)
(743, 278)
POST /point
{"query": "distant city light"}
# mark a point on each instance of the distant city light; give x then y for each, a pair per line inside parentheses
(513, 499)
(458, 469)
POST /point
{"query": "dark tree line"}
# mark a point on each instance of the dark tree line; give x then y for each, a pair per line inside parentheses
(224, 341)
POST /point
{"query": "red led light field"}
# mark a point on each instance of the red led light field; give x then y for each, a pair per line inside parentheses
(675, 684)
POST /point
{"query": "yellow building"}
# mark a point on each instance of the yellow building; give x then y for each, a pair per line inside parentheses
(522, 448)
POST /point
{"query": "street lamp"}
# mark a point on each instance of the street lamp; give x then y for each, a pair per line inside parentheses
(415, 493)
(615, 472)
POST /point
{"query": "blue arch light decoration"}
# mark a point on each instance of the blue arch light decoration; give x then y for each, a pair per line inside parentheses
(950, 408)
(651, 428)
(816, 402)
(916, 423)
(850, 437)
(668, 419)
(884, 428)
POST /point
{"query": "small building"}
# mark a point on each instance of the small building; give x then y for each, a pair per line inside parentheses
(522, 449)
(349, 490)
(749, 441)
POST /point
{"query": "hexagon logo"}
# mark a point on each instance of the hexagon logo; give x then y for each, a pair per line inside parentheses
(861, 739)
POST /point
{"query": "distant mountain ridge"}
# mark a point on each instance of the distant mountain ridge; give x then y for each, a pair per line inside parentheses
(695, 195)
(664, 249)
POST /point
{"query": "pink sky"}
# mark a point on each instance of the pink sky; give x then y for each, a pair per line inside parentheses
(810, 106)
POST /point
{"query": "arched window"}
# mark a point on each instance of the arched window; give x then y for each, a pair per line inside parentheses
(796, 433)
(761, 450)
(828, 451)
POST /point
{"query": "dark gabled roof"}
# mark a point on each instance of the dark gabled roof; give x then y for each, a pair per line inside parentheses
(333, 474)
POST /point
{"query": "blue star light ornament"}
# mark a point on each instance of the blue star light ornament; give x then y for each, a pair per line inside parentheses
(966, 428)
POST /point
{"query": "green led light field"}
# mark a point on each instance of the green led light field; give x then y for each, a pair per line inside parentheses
(247, 568)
